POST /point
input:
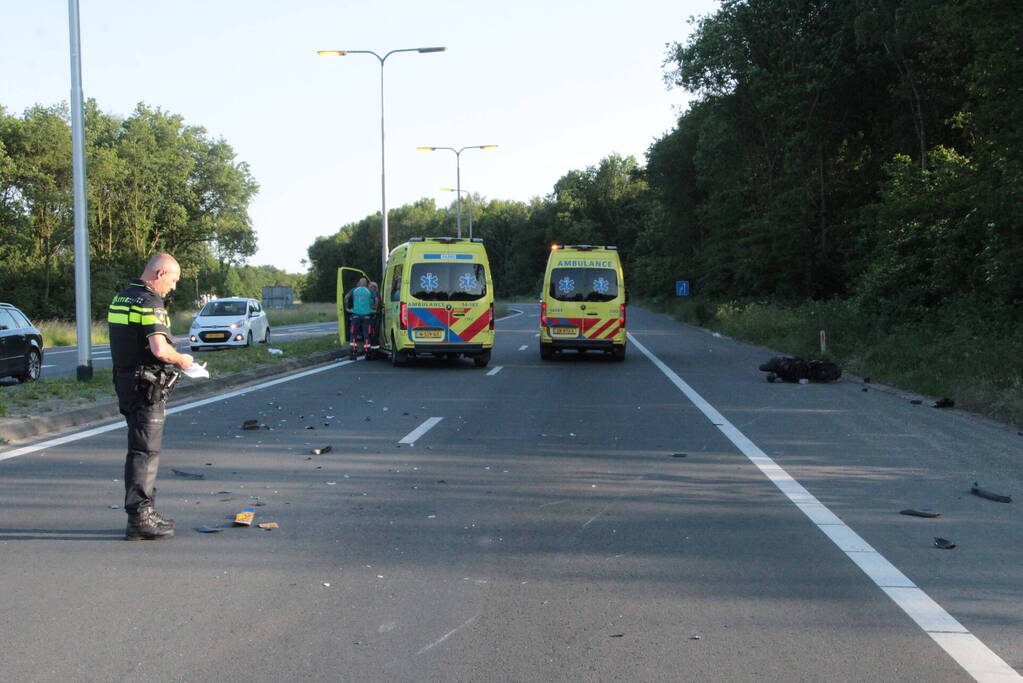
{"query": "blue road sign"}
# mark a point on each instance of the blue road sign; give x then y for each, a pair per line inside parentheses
(682, 288)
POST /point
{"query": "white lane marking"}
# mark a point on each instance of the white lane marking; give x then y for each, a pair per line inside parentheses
(70, 438)
(966, 649)
(497, 369)
(523, 347)
(447, 635)
(514, 315)
(411, 437)
(48, 366)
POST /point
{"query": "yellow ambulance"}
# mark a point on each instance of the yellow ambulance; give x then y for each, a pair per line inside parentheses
(582, 305)
(437, 300)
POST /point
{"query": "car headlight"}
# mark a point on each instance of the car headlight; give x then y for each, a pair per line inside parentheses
(237, 324)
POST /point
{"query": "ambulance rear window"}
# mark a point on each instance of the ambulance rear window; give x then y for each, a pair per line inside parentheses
(453, 281)
(584, 284)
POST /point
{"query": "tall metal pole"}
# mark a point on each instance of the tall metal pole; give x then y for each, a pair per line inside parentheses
(458, 175)
(458, 186)
(383, 159)
(83, 298)
(383, 178)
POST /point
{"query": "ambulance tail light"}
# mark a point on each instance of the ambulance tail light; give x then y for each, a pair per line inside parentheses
(543, 313)
(403, 315)
(621, 318)
(491, 317)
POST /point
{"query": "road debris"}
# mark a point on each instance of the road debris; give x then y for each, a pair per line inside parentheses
(984, 493)
(274, 352)
(679, 455)
(269, 525)
(920, 513)
(322, 451)
(943, 403)
(916, 402)
(943, 543)
(250, 424)
(188, 475)
(114, 507)
(798, 369)
(209, 529)
(244, 518)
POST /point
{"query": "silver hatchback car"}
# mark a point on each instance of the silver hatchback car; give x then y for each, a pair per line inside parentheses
(230, 322)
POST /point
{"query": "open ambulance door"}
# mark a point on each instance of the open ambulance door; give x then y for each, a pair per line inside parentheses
(347, 278)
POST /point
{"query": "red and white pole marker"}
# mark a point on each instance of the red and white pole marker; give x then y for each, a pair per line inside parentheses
(824, 342)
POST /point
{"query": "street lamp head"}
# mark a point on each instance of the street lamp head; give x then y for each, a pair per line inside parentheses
(487, 146)
(427, 149)
(330, 53)
(431, 49)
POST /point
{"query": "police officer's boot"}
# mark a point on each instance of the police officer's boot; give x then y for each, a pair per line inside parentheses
(142, 526)
(162, 521)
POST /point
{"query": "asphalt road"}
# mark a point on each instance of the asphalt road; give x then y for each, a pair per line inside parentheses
(529, 521)
(62, 361)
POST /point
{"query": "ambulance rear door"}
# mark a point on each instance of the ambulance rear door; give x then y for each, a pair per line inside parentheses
(585, 301)
(347, 278)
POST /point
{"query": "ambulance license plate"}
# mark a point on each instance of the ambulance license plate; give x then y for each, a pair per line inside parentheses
(428, 335)
(564, 331)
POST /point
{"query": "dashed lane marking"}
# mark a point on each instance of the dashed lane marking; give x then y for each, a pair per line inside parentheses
(497, 369)
(411, 437)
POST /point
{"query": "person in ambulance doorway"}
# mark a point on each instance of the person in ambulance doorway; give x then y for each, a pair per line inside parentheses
(359, 303)
(374, 326)
(143, 359)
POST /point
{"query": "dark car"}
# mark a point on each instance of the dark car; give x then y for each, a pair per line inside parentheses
(21, 345)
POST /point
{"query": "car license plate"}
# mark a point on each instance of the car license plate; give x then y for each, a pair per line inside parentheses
(429, 335)
(216, 335)
(564, 331)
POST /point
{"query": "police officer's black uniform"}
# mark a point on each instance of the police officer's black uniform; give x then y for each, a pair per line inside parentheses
(135, 314)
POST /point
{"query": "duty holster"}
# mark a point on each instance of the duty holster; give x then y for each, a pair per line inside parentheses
(155, 382)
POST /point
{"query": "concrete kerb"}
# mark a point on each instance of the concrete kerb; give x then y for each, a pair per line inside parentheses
(17, 429)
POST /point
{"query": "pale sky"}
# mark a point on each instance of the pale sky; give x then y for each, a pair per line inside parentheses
(558, 85)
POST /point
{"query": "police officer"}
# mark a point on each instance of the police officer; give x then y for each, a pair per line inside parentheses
(143, 355)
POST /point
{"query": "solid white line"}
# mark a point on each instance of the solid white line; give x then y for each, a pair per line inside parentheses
(410, 439)
(497, 369)
(48, 366)
(78, 436)
(523, 347)
(966, 649)
(514, 315)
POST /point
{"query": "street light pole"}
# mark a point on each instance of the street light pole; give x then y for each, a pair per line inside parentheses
(383, 160)
(458, 174)
(83, 296)
(469, 195)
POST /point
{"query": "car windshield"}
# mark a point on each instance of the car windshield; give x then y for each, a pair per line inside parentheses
(584, 284)
(448, 281)
(217, 308)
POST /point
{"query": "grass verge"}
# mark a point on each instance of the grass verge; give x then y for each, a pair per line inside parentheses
(964, 351)
(48, 395)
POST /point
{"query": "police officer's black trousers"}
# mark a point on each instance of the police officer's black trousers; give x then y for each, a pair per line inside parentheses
(145, 437)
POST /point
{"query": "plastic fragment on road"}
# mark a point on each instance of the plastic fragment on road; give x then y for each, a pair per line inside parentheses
(259, 503)
(984, 493)
(209, 529)
(679, 455)
(274, 352)
(322, 451)
(250, 424)
(269, 525)
(310, 427)
(919, 513)
(114, 507)
(188, 475)
(916, 401)
(244, 518)
(943, 543)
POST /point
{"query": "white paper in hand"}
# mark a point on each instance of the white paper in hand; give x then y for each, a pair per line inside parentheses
(197, 371)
